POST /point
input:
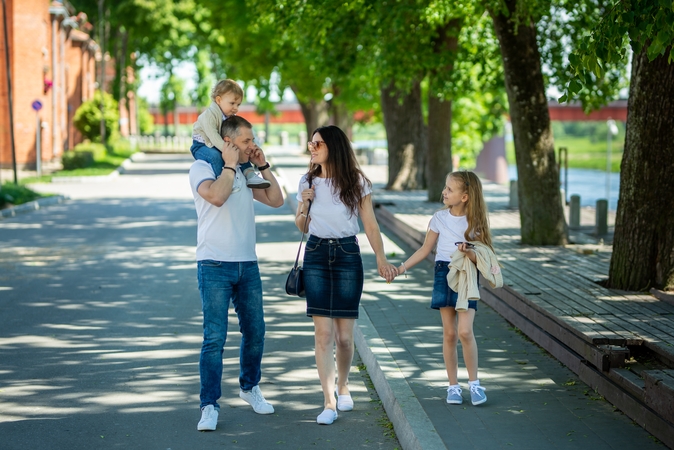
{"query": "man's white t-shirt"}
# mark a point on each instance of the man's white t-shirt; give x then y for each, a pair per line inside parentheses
(450, 229)
(330, 218)
(225, 233)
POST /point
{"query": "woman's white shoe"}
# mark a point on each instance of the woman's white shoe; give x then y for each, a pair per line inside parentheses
(344, 402)
(327, 417)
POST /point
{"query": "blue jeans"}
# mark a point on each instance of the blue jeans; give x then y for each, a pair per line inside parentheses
(220, 282)
(443, 295)
(213, 156)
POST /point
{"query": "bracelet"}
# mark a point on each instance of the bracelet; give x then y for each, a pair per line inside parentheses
(265, 167)
(404, 269)
(230, 168)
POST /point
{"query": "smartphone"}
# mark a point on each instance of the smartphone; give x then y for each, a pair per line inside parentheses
(468, 244)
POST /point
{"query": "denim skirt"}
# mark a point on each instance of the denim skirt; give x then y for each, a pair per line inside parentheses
(333, 277)
(443, 295)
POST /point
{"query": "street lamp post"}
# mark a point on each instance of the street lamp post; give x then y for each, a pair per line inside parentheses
(612, 131)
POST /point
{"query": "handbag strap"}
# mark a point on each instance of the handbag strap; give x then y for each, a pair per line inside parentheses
(306, 222)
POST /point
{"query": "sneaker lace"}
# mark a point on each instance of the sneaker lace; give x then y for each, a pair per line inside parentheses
(476, 388)
(257, 395)
(454, 390)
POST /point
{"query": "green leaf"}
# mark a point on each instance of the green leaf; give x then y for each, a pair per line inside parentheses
(564, 98)
(575, 87)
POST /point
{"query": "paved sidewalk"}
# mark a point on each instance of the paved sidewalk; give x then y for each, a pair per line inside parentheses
(533, 401)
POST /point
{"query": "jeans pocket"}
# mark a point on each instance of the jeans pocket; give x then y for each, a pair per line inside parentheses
(350, 248)
(210, 263)
(311, 246)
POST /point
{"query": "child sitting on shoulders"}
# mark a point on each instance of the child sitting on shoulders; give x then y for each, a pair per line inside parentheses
(207, 143)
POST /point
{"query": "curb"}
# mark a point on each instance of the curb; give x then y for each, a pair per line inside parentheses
(32, 206)
(412, 426)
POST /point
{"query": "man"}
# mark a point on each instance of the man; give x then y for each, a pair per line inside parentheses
(227, 266)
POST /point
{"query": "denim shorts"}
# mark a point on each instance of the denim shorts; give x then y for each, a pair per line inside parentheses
(443, 296)
(333, 277)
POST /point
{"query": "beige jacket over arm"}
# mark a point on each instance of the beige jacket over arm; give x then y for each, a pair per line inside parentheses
(208, 126)
(462, 276)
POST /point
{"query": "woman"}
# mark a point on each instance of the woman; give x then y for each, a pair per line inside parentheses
(338, 193)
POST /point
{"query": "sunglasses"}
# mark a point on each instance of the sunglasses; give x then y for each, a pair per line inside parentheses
(315, 144)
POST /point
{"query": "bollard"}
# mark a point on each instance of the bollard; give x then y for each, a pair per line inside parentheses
(574, 211)
(602, 216)
(284, 138)
(302, 136)
(514, 202)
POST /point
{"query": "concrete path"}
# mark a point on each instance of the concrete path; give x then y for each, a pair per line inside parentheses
(100, 328)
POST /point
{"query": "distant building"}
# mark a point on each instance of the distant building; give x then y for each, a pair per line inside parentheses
(52, 61)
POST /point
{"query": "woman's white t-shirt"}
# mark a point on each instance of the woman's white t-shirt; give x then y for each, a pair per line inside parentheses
(450, 229)
(330, 218)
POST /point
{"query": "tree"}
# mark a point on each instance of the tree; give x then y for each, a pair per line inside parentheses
(87, 118)
(541, 215)
(643, 245)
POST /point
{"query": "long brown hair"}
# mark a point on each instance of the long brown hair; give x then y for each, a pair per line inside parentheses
(343, 167)
(476, 208)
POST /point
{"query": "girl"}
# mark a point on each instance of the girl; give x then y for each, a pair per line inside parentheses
(338, 193)
(463, 219)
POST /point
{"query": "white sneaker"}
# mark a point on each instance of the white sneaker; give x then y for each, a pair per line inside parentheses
(326, 417)
(255, 399)
(209, 418)
(257, 183)
(344, 402)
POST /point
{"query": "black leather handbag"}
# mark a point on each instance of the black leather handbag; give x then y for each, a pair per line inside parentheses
(295, 280)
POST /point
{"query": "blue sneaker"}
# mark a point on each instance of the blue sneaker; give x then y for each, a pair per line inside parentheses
(454, 395)
(477, 395)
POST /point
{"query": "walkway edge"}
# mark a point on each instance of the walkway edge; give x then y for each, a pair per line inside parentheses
(32, 206)
(413, 427)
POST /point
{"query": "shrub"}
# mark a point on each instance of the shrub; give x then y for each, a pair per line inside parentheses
(88, 117)
(77, 160)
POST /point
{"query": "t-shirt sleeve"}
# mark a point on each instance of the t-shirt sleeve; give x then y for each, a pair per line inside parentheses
(434, 223)
(304, 184)
(200, 172)
(367, 189)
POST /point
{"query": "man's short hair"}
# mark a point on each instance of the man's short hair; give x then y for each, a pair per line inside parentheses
(232, 125)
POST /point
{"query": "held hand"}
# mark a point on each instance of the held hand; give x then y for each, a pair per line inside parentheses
(230, 154)
(388, 271)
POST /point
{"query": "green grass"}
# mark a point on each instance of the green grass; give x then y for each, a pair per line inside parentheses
(116, 154)
(583, 153)
(12, 194)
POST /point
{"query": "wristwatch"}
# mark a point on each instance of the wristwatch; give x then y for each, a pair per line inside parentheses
(265, 167)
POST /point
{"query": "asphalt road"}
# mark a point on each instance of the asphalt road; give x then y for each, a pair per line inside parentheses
(100, 328)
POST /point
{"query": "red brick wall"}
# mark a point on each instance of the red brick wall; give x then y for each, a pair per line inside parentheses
(31, 64)
(5, 149)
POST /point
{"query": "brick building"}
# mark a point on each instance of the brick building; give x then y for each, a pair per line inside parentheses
(52, 61)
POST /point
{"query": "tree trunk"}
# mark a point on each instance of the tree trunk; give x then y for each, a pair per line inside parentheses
(315, 114)
(406, 136)
(342, 117)
(541, 214)
(643, 243)
(440, 116)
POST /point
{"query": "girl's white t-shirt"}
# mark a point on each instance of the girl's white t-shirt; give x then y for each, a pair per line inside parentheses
(330, 218)
(450, 230)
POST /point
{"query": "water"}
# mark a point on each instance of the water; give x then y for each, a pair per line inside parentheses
(589, 184)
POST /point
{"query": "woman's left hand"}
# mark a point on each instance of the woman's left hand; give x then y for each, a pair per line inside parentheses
(387, 271)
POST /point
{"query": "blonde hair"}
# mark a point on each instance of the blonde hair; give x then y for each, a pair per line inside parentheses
(476, 208)
(223, 87)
